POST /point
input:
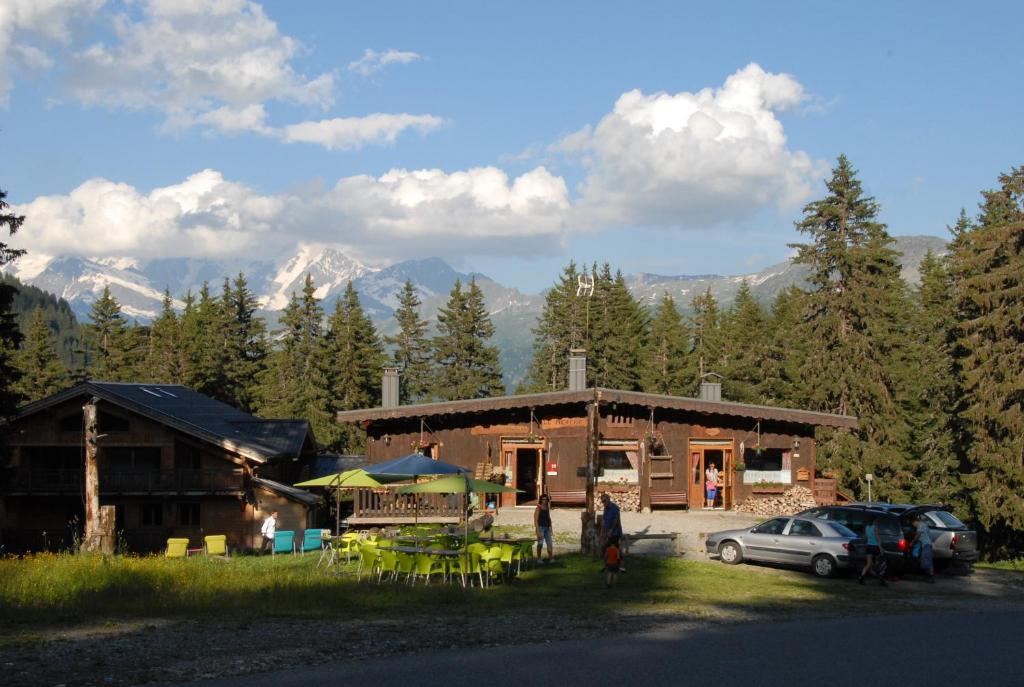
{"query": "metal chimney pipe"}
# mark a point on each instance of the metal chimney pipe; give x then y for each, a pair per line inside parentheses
(577, 369)
(389, 388)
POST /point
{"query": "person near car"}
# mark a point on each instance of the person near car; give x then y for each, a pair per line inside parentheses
(268, 530)
(921, 546)
(542, 523)
(873, 550)
(711, 483)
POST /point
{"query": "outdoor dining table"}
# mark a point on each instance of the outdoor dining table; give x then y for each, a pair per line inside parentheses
(421, 549)
(510, 540)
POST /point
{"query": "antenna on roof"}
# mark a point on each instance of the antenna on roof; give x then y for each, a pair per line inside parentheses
(584, 285)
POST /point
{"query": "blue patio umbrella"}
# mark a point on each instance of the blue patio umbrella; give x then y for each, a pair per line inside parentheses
(412, 466)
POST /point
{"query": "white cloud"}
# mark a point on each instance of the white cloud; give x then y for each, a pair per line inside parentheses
(374, 61)
(693, 159)
(212, 63)
(400, 214)
(29, 27)
(347, 133)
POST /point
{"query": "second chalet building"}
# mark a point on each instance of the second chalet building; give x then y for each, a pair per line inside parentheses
(652, 450)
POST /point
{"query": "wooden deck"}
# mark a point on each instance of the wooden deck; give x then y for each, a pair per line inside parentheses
(385, 506)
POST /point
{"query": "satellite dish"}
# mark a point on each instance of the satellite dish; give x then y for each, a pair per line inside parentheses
(585, 285)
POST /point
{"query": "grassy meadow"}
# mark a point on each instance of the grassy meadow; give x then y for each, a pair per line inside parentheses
(67, 587)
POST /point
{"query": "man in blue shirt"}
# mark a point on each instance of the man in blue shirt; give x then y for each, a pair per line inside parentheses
(611, 524)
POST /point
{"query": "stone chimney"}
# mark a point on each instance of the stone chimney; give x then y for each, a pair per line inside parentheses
(577, 369)
(711, 387)
(389, 387)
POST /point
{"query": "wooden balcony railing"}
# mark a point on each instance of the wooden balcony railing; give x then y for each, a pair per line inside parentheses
(386, 505)
(114, 481)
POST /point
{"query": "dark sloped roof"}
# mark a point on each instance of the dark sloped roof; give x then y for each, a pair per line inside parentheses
(293, 493)
(606, 395)
(195, 414)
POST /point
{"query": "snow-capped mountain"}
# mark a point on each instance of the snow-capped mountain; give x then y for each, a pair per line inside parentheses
(139, 286)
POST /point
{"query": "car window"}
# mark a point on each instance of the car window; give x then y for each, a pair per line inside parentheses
(945, 519)
(842, 530)
(855, 520)
(802, 528)
(775, 526)
(816, 513)
(889, 526)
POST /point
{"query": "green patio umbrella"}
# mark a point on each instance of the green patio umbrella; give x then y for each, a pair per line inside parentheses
(349, 479)
(457, 484)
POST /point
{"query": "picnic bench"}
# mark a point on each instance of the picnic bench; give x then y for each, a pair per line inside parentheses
(629, 539)
(568, 497)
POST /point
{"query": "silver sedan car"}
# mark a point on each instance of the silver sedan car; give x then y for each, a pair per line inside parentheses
(825, 547)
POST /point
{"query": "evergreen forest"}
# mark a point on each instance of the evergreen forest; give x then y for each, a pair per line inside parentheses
(934, 372)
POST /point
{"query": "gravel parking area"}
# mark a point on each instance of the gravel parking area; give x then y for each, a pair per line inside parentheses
(690, 526)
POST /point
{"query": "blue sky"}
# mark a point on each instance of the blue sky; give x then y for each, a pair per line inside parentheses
(237, 128)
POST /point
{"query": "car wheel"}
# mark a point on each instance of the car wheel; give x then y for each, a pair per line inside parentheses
(730, 553)
(823, 566)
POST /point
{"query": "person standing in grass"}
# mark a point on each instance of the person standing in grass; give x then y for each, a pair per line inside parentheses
(542, 524)
(921, 545)
(268, 530)
(611, 528)
(612, 564)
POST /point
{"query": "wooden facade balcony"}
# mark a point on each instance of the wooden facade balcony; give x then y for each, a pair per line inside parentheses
(125, 481)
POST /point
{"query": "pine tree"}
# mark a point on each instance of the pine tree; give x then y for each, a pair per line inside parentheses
(619, 335)
(467, 366)
(562, 326)
(932, 391)
(204, 343)
(294, 384)
(412, 348)
(988, 267)
(706, 349)
(666, 352)
(354, 356)
(246, 344)
(855, 308)
(744, 339)
(781, 383)
(110, 344)
(163, 364)
(42, 371)
(10, 335)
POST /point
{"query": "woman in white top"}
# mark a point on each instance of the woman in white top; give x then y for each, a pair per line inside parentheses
(711, 483)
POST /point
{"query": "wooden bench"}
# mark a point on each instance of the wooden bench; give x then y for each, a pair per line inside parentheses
(629, 539)
(568, 498)
(668, 498)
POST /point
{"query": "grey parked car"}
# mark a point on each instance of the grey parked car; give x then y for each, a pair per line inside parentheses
(824, 547)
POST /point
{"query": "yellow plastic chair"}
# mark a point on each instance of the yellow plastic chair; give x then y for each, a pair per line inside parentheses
(176, 548)
(388, 565)
(427, 565)
(406, 565)
(368, 557)
(490, 561)
(216, 545)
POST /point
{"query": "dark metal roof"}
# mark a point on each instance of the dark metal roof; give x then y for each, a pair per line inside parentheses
(293, 493)
(330, 464)
(606, 396)
(194, 414)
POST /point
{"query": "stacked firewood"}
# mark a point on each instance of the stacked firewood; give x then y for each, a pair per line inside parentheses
(791, 501)
(627, 498)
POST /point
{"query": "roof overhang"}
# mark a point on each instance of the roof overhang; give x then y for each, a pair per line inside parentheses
(601, 395)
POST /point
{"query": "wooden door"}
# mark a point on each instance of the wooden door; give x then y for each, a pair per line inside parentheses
(696, 496)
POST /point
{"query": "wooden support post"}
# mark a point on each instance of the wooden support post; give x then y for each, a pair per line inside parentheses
(644, 479)
(588, 538)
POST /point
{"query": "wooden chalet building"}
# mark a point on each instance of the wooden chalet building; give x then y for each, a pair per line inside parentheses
(173, 463)
(651, 450)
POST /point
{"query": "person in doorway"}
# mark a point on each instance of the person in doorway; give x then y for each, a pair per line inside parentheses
(874, 553)
(612, 564)
(711, 484)
(268, 530)
(921, 547)
(542, 524)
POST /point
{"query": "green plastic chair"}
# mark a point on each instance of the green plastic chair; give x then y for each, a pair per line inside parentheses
(465, 566)
(176, 548)
(527, 554)
(388, 565)
(406, 565)
(348, 545)
(368, 556)
(509, 556)
(216, 545)
(490, 561)
(427, 565)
